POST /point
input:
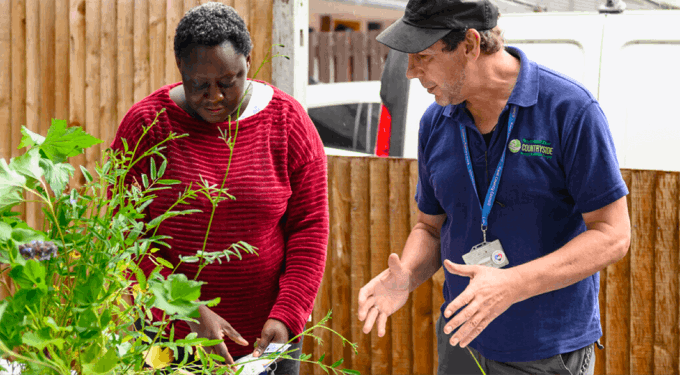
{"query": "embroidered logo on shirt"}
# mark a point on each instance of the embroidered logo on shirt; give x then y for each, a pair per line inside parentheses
(531, 147)
(514, 146)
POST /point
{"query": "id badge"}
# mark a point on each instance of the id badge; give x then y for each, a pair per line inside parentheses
(487, 254)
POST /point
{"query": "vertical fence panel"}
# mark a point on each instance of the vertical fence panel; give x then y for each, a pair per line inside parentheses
(618, 307)
(18, 99)
(259, 23)
(142, 77)
(243, 8)
(61, 60)
(157, 10)
(33, 81)
(108, 75)
(188, 4)
(323, 303)
(381, 347)
(666, 275)
(375, 60)
(340, 253)
(601, 355)
(6, 76)
(175, 10)
(92, 77)
(47, 67)
(359, 57)
(76, 87)
(341, 54)
(642, 273)
(126, 60)
(422, 330)
(399, 224)
(361, 258)
(325, 56)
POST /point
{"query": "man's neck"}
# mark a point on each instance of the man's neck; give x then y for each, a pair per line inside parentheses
(498, 75)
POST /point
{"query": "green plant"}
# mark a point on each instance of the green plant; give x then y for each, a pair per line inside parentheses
(72, 311)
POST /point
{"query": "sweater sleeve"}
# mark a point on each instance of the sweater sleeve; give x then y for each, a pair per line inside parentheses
(306, 226)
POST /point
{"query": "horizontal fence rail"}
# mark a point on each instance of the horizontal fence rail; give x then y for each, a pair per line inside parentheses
(345, 56)
(372, 211)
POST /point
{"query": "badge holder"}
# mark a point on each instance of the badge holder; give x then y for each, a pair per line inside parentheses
(488, 254)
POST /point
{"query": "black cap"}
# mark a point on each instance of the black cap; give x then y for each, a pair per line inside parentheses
(426, 21)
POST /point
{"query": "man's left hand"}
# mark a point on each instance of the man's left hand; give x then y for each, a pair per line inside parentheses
(273, 331)
(491, 291)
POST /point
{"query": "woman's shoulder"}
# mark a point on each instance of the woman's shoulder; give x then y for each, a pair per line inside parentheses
(143, 113)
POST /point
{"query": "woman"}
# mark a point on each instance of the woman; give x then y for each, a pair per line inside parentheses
(277, 176)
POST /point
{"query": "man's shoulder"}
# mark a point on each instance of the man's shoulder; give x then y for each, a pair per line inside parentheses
(553, 83)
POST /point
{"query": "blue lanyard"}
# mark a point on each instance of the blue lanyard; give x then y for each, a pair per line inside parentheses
(493, 188)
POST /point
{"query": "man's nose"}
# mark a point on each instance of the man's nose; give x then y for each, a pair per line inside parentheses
(411, 70)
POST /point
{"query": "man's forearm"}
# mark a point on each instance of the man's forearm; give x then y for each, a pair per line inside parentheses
(591, 251)
(421, 254)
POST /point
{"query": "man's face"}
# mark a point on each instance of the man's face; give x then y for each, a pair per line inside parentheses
(441, 73)
(214, 81)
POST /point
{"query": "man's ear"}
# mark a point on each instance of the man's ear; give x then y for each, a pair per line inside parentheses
(472, 44)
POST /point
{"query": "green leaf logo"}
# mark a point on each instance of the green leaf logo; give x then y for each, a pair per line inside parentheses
(514, 146)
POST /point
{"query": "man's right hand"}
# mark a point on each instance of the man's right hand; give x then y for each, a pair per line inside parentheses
(214, 327)
(384, 295)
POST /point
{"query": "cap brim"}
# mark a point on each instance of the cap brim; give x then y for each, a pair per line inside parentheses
(410, 39)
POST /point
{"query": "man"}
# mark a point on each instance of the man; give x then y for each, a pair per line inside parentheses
(520, 197)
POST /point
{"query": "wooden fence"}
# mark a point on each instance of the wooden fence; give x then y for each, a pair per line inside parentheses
(344, 56)
(88, 61)
(372, 212)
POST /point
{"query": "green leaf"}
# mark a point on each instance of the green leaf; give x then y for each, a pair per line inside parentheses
(5, 231)
(145, 181)
(57, 175)
(352, 372)
(169, 182)
(30, 139)
(164, 263)
(141, 279)
(40, 341)
(28, 164)
(337, 363)
(62, 142)
(23, 235)
(86, 174)
(11, 184)
(106, 363)
(183, 288)
(152, 166)
(161, 170)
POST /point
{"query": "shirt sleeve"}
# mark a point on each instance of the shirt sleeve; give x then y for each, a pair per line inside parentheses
(590, 162)
(425, 195)
(306, 226)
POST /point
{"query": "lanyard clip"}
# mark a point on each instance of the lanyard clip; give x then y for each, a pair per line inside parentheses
(484, 232)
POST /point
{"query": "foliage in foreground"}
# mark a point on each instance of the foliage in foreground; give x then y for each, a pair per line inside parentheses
(72, 310)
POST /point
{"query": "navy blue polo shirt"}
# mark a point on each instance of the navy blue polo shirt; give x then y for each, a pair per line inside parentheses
(560, 163)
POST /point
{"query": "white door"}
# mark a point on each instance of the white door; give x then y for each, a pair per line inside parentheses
(640, 87)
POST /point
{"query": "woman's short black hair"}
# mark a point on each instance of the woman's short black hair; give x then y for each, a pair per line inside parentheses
(211, 24)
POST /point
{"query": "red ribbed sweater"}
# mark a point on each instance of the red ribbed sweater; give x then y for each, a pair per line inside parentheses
(278, 177)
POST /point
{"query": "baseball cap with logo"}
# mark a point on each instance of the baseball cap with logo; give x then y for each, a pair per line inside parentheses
(426, 21)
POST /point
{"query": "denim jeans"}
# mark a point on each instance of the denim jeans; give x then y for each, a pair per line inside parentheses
(451, 361)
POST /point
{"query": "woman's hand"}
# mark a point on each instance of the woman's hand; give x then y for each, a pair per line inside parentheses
(273, 331)
(214, 327)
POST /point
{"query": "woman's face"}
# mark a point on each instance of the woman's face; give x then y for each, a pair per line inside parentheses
(214, 80)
